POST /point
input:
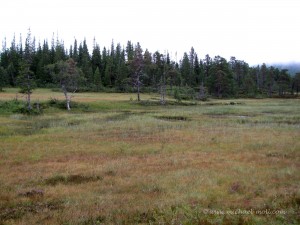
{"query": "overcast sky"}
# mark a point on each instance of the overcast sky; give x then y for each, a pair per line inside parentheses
(252, 30)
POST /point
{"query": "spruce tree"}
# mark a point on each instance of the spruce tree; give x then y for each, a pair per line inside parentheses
(108, 72)
(12, 74)
(220, 80)
(191, 79)
(14, 61)
(75, 55)
(96, 58)
(148, 68)
(137, 65)
(197, 70)
(158, 66)
(121, 69)
(129, 51)
(85, 62)
(3, 78)
(297, 83)
(186, 69)
(26, 79)
(98, 79)
(283, 82)
(270, 81)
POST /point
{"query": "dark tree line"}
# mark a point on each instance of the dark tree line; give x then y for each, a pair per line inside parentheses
(130, 68)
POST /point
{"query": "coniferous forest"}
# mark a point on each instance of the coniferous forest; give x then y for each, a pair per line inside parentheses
(134, 69)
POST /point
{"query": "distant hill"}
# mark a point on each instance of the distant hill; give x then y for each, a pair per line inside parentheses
(293, 67)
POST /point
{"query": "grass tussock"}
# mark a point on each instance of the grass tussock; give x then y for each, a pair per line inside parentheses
(173, 118)
(16, 212)
(71, 179)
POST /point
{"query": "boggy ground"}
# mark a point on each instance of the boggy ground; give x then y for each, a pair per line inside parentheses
(120, 162)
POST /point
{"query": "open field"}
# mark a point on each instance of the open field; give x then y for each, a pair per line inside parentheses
(120, 162)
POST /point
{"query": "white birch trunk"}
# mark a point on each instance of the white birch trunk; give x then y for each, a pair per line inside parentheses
(68, 98)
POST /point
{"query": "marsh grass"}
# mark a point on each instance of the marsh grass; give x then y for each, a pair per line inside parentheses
(121, 162)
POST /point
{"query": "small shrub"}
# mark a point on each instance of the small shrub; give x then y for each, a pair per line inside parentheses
(16, 106)
(184, 93)
(177, 95)
(25, 110)
(61, 104)
(53, 101)
(10, 106)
